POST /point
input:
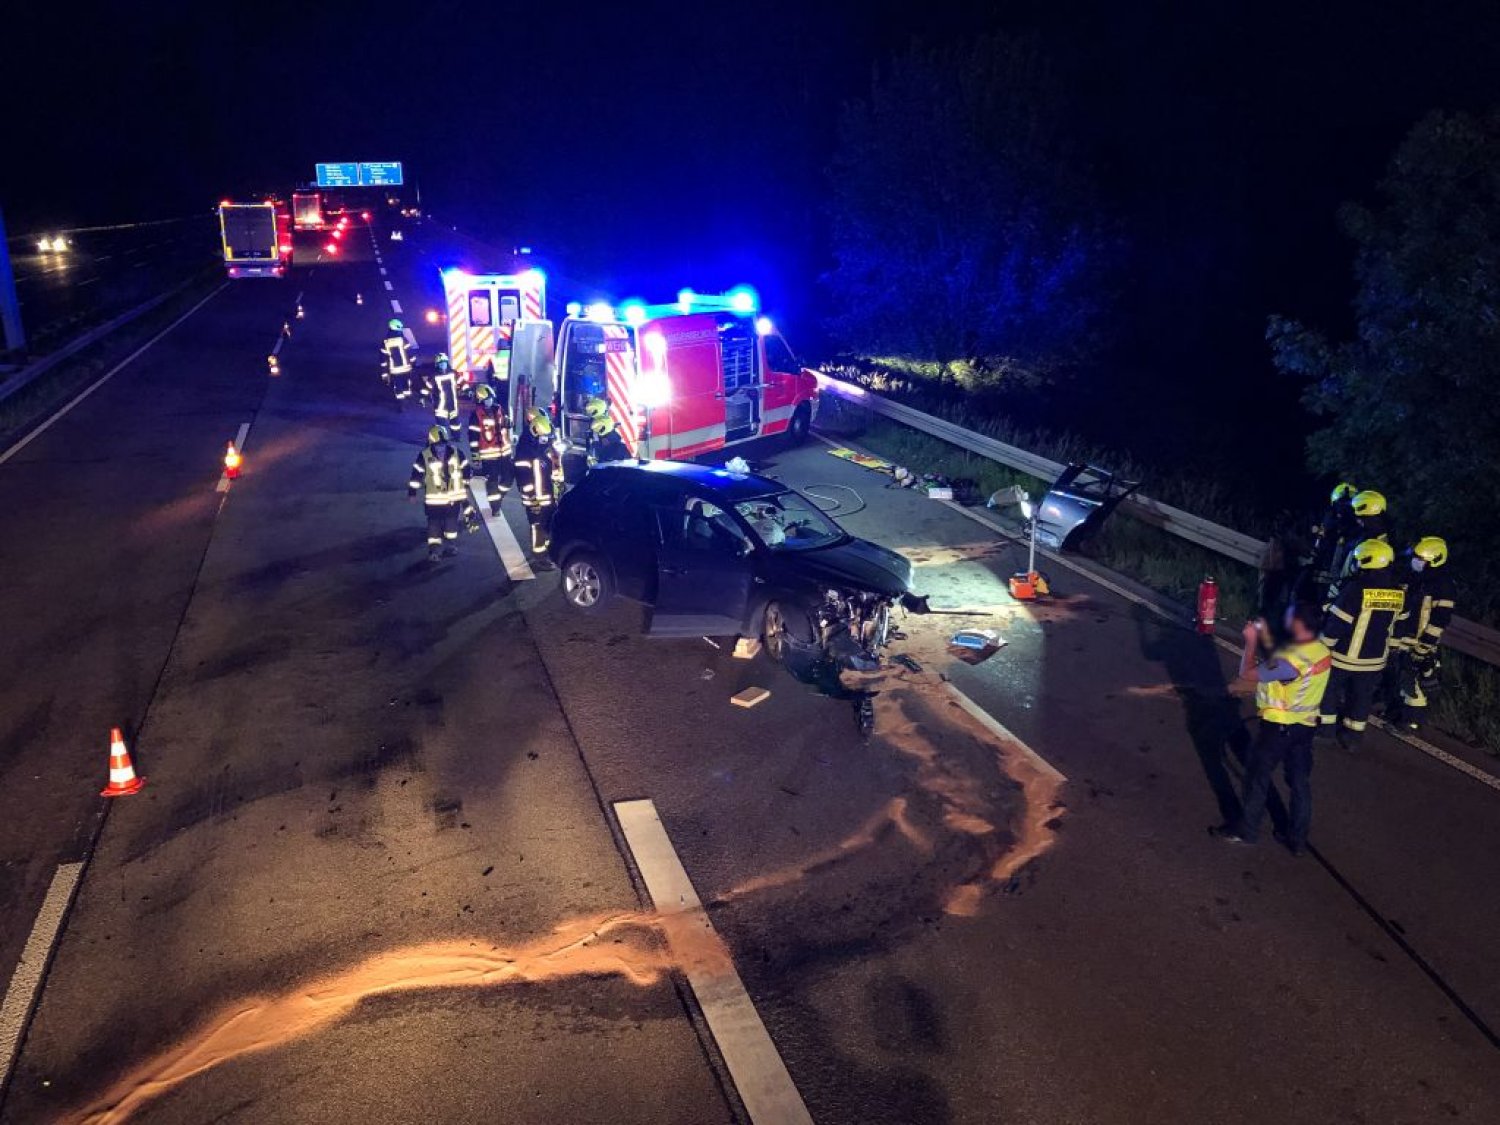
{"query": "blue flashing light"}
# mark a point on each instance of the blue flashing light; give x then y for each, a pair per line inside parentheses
(574, 308)
(764, 327)
(633, 313)
(742, 300)
(454, 273)
(685, 299)
(534, 277)
(599, 310)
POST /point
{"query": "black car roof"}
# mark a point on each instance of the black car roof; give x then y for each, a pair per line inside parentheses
(706, 480)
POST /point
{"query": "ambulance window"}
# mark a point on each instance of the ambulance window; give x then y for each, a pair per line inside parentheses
(480, 309)
(779, 357)
(510, 308)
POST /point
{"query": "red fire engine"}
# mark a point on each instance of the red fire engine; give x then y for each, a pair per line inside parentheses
(682, 379)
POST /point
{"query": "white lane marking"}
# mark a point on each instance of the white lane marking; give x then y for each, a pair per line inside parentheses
(760, 1076)
(1000, 730)
(298, 301)
(502, 536)
(106, 377)
(382, 271)
(1438, 753)
(276, 347)
(395, 305)
(389, 288)
(239, 444)
(26, 981)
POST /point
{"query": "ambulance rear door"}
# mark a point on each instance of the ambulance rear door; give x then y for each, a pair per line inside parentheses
(532, 372)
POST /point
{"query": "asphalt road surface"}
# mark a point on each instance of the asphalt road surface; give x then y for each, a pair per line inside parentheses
(377, 875)
(106, 271)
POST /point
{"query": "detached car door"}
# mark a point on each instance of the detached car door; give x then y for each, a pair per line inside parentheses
(704, 571)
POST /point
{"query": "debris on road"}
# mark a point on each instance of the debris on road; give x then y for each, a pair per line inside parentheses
(746, 648)
(750, 697)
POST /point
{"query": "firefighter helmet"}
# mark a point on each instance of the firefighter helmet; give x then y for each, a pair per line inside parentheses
(395, 325)
(602, 426)
(538, 422)
(1368, 503)
(437, 434)
(440, 361)
(483, 393)
(596, 408)
(1372, 554)
(1431, 550)
(1342, 491)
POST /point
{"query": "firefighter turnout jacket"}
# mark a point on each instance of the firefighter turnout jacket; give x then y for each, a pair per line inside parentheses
(1296, 702)
(489, 433)
(1428, 609)
(1358, 627)
(438, 473)
(397, 359)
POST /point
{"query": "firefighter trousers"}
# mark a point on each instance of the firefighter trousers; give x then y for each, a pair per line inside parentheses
(442, 524)
(534, 479)
(1347, 702)
(499, 474)
(401, 386)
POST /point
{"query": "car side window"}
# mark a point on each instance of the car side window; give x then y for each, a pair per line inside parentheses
(698, 525)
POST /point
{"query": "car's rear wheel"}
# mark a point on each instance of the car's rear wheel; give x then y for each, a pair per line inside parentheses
(586, 583)
(801, 422)
(786, 626)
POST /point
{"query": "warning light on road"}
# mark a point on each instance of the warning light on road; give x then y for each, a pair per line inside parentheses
(331, 248)
(365, 215)
(300, 313)
(231, 462)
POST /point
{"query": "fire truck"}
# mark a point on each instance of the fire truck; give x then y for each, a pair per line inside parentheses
(483, 309)
(307, 210)
(682, 379)
(257, 238)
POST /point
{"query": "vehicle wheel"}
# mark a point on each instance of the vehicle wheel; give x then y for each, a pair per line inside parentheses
(796, 429)
(586, 583)
(785, 622)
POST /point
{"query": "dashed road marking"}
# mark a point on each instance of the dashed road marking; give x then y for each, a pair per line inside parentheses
(501, 535)
(26, 981)
(760, 1076)
(276, 347)
(382, 270)
(389, 288)
(239, 444)
(395, 305)
(106, 377)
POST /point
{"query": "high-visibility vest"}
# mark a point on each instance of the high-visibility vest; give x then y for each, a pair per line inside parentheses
(397, 361)
(489, 434)
(1293, 702)
(447, 392)
(442, 477)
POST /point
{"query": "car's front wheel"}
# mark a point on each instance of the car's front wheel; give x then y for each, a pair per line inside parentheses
(586, 583)
(786, 627)
(797, 428)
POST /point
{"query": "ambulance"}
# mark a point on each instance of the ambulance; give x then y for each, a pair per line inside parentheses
(483, 309)
(682, 379)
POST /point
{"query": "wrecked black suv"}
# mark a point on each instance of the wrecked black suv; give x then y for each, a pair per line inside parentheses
(717, 553)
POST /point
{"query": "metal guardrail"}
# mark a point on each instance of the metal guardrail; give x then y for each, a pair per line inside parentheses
(1467, 637)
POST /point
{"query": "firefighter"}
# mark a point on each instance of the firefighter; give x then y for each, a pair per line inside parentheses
(1419, 632)
(444, 391)
(1331, 534)
(490, 445)
(605, 442)
(537, 473)
(1357, 631)
(438, 474)
(1290, 682)
(396, 351)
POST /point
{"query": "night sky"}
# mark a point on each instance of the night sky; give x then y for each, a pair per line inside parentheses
(640, 146)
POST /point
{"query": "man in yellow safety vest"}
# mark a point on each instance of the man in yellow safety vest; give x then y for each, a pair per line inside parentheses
(1289, 685)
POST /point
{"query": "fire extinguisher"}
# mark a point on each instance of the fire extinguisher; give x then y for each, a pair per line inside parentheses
(1208, 605)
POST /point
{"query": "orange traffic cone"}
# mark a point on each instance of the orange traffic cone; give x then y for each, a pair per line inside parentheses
(122, 779)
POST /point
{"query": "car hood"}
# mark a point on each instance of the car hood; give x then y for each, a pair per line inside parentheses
(855, 563)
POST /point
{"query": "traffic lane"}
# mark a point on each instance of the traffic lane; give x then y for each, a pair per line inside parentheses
(1249, 951)
(358, 776)
(105, 517)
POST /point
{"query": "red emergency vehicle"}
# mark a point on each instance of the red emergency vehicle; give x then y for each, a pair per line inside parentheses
(683, 379)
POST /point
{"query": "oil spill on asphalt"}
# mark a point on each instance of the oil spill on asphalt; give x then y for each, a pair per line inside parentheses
(625, 945)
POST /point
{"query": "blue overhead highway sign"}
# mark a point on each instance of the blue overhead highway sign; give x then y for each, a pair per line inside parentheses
(339, 175)
(381, 174)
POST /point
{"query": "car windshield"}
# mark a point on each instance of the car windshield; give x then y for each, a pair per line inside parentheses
(788, 522)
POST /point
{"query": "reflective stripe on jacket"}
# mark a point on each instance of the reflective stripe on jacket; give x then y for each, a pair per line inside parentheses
(396, 359)
(489, 433)
(1293, 702)
(1429, 609)
(1359, 623)
(438, 472)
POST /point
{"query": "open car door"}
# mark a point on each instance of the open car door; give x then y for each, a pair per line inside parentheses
(704, 572)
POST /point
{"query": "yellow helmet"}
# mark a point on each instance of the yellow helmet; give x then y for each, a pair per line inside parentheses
(537, 420)
(1342, 491)
(602, 426)
(596, 408)
(1431, 550)
(483, 393)
(1372, 554)
(437, 434)
(1368, 503)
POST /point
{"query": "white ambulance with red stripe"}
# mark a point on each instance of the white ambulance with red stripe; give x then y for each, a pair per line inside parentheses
(682, 379)
(482, 311)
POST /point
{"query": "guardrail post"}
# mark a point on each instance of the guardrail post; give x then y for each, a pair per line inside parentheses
(10, 307)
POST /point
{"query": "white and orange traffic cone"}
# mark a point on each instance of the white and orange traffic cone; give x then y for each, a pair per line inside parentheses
(122, 778)
(232, 462)
(300, 314)
(286, 328)
(359, 298)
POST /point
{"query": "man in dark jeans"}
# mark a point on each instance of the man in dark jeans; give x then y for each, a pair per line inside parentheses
(1289, 686)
